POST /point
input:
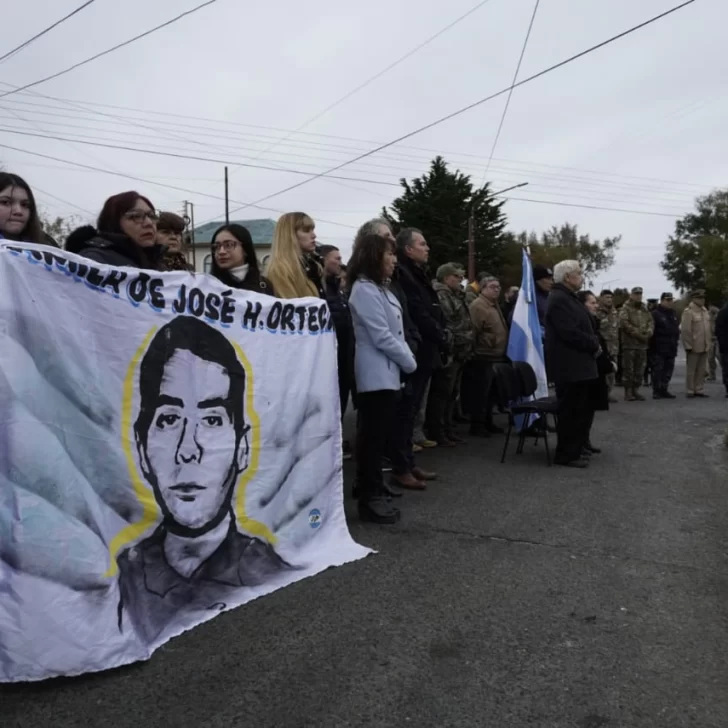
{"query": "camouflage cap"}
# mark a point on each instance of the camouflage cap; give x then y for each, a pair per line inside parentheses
(698, 293)
(666, 296)
(449, 269)
(637, 289)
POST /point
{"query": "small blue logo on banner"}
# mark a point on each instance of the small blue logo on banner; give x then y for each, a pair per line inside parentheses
(314, 518)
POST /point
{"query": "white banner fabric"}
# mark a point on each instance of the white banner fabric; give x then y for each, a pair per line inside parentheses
(169, 450)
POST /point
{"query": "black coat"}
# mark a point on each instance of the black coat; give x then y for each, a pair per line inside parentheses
(665, 340)
(571, 342)
(113, 249)
(599, 390)
(424, 310)
(343, 326)
(411, 332)
(313, 265)
(254, 281)
(721, 329)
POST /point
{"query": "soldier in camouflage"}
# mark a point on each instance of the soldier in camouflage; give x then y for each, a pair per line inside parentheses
(636, 327)
(460, 330)
(608, 317)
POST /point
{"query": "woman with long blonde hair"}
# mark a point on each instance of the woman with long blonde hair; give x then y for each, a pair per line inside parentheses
(293, 268)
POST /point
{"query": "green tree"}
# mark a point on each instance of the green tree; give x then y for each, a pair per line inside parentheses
(59, 228)
(440, 204)
(554, 245)
(696, 254)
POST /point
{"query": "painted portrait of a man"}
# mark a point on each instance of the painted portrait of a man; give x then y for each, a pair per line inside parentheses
(192, 442)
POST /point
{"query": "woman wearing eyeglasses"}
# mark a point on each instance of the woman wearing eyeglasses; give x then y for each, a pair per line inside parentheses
(234, 262)
(125, 234)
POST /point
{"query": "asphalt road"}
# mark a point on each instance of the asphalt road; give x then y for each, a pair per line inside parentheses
(510, 595)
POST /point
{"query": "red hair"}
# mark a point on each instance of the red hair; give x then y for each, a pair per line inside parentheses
(114, 208)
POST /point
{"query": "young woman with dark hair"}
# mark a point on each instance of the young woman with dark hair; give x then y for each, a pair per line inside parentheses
(18, 212)
(598, 388)
(125, 234)
(381, 358)
(234, 262)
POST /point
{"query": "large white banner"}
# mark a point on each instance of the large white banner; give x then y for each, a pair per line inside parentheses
(169, 449)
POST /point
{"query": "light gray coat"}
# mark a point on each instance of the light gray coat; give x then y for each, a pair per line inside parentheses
(381, 351)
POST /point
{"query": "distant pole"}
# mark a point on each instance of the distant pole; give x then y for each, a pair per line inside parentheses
(471, 246)
(227, 201)
(192, 236)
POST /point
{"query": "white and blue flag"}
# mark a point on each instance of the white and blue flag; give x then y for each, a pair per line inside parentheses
(525, 341)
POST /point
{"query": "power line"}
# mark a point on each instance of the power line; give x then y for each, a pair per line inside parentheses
(109, 50)
(60, 199)
(150, 182)
(349, 147)
(452, 115)
(378, 75)
(272, 209)
(19, 48)
(188, 156)
(400, 168)
(510, 93)
(594, 207)
(654, 197)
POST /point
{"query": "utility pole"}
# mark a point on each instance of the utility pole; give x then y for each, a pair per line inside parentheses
(192, 236)
(471, 245)
(471, 229)
(189, 218)
(227, 201)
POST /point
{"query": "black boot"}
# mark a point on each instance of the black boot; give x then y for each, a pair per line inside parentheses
(667, 395)
(378, 510)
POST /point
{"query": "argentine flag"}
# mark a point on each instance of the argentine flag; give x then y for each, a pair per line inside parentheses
(524, 341)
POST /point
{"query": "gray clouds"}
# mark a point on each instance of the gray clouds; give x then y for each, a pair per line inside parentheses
(647, 107)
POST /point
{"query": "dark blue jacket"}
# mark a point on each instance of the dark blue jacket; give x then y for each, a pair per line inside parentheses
(542, 299)
(667, 332)
(721, 329)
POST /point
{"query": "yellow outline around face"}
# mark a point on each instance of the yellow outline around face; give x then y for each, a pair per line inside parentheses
(144, 494)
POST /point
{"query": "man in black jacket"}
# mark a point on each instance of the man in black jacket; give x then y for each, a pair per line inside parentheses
(572, 349)
(664, 347)
(721, 334)
(339, 307)
(424, 310)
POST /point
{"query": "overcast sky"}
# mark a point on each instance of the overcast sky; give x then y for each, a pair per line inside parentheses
(639, 125)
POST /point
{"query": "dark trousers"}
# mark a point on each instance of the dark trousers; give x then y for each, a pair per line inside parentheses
(437, 401)
(663, 367)
(724, 368)
(375, 415)
(483, 393)
(575, 418)
(408, 406)
(345, 370)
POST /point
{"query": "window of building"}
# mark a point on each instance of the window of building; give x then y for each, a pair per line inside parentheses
(207, 263)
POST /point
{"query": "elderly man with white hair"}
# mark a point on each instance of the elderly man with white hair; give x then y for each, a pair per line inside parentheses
(572, 348)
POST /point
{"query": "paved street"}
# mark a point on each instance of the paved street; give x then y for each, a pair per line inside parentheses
(510, 595)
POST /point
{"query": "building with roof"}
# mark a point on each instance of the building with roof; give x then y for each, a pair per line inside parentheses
(260, 230)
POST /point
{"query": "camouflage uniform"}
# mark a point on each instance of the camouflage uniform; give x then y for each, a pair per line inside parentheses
(461, 332)
(609, 329)
(636, 327)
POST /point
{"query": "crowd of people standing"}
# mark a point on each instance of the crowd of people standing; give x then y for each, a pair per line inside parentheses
(416, 352)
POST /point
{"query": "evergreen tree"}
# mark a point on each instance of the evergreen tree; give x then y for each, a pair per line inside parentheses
(696, 254)
(440, 204)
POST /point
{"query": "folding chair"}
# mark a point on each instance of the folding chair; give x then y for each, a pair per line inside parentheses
(514, 382)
